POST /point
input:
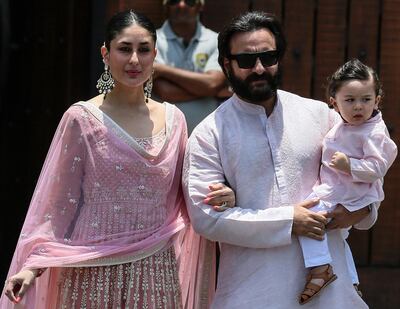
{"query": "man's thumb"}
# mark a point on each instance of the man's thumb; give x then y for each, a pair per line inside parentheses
(310, 203)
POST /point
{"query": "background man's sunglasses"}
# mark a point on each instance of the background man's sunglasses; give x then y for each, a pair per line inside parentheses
(188, 2)
(248, 60)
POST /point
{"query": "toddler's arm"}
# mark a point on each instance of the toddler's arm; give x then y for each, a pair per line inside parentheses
(379, 154)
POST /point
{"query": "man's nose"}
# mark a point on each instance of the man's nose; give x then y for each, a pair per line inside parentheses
(258, 67)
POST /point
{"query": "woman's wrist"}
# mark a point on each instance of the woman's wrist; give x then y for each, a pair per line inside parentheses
(37, 272)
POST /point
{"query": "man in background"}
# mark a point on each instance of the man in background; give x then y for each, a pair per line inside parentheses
(186, 71)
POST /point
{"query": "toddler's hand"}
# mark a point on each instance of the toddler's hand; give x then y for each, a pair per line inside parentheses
(341, 162)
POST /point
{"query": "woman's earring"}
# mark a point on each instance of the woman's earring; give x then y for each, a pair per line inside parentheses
(148, 88)
(105, 83)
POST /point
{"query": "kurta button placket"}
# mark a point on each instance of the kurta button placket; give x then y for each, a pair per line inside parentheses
(278, 164)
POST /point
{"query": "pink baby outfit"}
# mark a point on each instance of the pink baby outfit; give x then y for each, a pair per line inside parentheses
(371, 153)
(105, 216)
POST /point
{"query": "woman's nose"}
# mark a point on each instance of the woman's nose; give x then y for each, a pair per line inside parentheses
(134, 58)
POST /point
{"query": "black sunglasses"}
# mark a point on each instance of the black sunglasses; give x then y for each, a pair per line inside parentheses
(248, 60)
(188, 2)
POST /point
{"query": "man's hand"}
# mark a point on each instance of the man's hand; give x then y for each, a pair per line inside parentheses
(342, 218)
(308, 223)
(341, 162)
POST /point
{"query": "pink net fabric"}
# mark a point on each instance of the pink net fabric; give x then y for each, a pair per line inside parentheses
(100, 198)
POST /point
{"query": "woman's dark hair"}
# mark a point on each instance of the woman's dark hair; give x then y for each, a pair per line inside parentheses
(247, 22)
(125, 19)
(353, 69)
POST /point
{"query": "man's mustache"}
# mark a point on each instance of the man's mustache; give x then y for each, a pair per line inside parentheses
(256, 77)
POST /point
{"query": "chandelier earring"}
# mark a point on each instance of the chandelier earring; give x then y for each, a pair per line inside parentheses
(148, 88)
(105, 83)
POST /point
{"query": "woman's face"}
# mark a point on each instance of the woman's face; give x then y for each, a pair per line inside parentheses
(131, 56)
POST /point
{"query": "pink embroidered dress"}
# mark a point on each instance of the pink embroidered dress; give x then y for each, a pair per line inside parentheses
(105, 216)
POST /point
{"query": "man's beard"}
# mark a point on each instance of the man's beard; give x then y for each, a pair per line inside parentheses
(254, 93)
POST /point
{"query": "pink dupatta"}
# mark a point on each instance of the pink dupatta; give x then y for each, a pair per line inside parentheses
(102, 199)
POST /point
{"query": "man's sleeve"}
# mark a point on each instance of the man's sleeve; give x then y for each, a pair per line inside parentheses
(160, 51)
(369, 221)
(212, 62)
(262, 228)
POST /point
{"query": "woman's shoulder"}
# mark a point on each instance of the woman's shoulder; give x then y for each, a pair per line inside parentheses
(80, 107)
(80, 111)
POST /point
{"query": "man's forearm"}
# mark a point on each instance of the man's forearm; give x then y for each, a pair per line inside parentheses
(200, 84)
(171, 92)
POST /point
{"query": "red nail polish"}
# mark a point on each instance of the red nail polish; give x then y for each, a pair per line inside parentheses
(18, 299)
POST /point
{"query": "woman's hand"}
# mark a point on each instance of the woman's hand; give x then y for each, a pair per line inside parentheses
(221, 197)
(17, 285)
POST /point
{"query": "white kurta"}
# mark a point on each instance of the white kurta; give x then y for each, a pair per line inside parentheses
(271, 163)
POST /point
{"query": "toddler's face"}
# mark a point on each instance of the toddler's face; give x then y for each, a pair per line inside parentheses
(356, 100)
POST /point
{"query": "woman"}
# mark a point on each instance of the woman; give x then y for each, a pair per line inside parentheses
(108, 211)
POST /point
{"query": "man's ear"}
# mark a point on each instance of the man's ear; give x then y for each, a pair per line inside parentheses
(226, 66)
(200, 8)
(333, 103)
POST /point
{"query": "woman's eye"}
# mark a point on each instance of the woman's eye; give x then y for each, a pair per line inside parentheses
(125, 49)
(349, 100)
(144, 50)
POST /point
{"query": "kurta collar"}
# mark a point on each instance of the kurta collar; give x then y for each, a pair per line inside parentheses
(254, 109)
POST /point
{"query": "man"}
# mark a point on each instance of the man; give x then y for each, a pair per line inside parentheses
(266, 143)
(186, 71)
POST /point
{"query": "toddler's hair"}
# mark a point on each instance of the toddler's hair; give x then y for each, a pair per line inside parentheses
(353, 69)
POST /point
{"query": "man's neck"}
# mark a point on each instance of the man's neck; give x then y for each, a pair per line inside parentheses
(269, 105)
(184, 30)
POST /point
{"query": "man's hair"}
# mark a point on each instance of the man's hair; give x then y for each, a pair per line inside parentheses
(201, 2)
(353, 69)
(248, 22)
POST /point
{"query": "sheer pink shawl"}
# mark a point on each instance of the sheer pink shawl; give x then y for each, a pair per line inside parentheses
(101, 198)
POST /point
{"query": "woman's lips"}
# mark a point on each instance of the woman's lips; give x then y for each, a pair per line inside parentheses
(133, 73)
